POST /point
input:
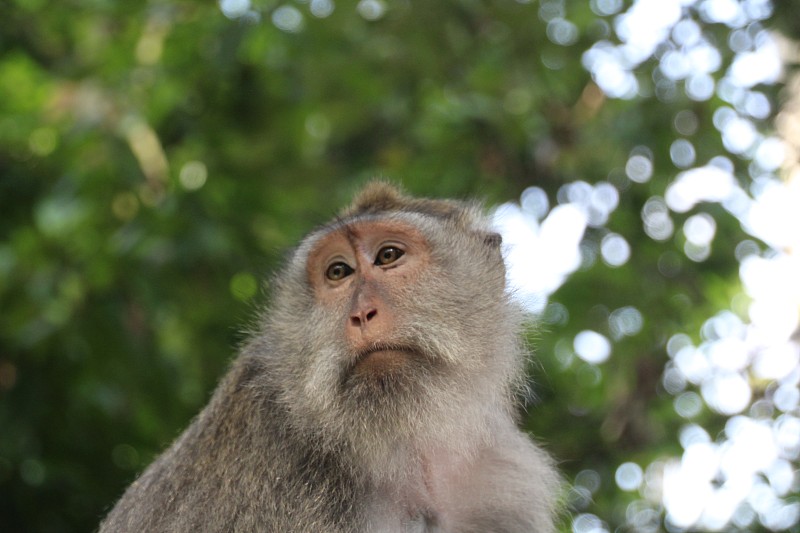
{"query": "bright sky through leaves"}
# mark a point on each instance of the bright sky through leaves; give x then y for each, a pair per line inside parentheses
(745, 475)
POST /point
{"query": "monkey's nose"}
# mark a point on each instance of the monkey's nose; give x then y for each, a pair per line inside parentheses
(360, 319)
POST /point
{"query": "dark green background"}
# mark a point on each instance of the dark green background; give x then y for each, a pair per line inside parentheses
(123, 293)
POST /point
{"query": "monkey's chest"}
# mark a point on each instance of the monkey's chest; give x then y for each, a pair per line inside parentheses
(400, 517)
(423, 523)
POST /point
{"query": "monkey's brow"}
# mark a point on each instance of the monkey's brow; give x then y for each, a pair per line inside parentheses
(350, 234)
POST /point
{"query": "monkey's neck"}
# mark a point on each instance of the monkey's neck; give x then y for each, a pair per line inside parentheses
(448, 435)
(423, 494)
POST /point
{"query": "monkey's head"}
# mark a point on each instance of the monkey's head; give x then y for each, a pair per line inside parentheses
(391, 322)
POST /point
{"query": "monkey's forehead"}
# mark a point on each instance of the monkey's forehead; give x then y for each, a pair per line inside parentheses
(421, 221)
(425, 223)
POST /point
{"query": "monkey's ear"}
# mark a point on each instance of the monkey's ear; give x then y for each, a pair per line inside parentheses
(493, 240)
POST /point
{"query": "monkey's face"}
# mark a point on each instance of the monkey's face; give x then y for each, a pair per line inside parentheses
(364, 274)
(408, 302)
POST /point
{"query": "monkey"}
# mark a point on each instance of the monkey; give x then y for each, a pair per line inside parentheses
(378, 393)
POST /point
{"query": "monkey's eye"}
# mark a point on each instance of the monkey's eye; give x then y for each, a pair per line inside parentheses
(388, 255)
(338, 271)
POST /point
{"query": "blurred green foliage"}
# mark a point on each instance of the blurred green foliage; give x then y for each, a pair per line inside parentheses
(157, 159)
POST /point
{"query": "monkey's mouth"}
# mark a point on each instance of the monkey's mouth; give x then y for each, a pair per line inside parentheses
(384, 361)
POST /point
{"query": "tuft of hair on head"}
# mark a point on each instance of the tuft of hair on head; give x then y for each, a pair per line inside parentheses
(376, 196)
(379, 196)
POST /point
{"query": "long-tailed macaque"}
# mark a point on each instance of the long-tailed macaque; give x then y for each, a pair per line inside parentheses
(378, 394)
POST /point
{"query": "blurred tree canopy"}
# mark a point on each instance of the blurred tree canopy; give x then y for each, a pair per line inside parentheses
(158, 158)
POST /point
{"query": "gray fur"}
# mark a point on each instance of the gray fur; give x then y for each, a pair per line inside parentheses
(288, 444)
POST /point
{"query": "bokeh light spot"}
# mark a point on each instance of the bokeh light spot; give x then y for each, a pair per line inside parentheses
(234, 8)
(371, 9)
(615, 250)
(629, 476)
(592, 347)
(639, 168)
(288, 18)
(193, 175)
